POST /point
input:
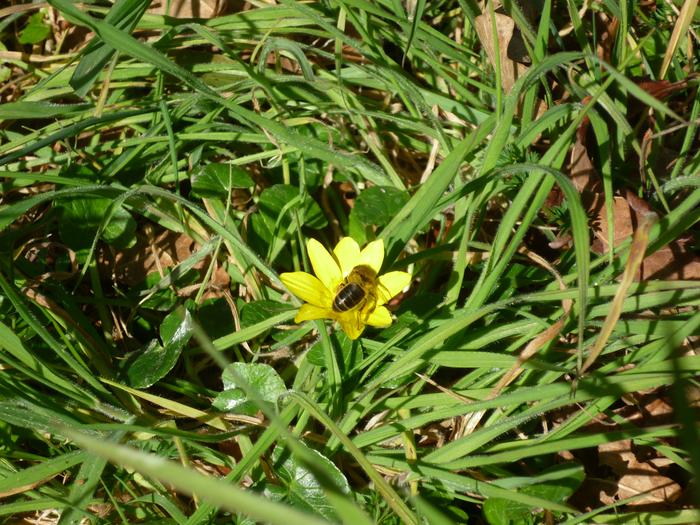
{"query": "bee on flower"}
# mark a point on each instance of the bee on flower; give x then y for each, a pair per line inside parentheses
(347, 287)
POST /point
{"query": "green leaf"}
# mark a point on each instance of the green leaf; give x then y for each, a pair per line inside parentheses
(214, 316)
(35, 31)
(277, 205)
(176, 330)
(216, 180)
(421, 206)
(5, 72)
(258, 311)
(275, 199)
(378, 205)
(291, 47)
(351, 353)
(157, 360)
(82, 217)
(300, 488)
(499, 511)
(563, 481)
(261, 378)
(10, 343)
(161, 299)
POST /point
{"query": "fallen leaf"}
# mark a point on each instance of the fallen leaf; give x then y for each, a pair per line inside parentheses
(509, 46)
(581, 170)
(676, 260)
(635, 477)
(189, 8)
(150, 254)
(608, 36)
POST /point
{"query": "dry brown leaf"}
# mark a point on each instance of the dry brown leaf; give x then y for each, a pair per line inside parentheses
(662, 89)
(608, 36)
(673, 261)
(189, 8)
(635, 477)
(509, 45)
(647, 409)
(581, 170)
(150, 254)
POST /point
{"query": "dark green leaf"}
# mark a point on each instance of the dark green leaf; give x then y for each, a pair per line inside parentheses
(176, 329)
(352, 353)
(378, 205)
(499, 511)
(561, 488)
(157, 299)
(216, 180)
(82, 217)
(215, 318)
(258, 311)
(157, 360)
(261, 378)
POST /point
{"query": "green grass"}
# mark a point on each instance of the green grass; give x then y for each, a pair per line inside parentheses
(236, 139)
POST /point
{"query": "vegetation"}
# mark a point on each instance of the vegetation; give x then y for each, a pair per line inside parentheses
(159, 172)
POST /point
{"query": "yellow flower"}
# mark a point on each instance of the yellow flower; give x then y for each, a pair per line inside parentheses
(355, 273)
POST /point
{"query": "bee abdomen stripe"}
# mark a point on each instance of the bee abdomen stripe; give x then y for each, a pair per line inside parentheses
(348, 297)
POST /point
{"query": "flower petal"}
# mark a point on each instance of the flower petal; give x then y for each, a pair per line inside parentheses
(352, 326)
(390, 284)
(311, 312)
(307, 288)
(380, 317)
(347, 251)
(325, 267)
(372, 255)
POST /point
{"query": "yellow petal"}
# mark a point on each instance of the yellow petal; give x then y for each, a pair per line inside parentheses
(325, 267)
(372, 255)
(307, 288)
(392, 283)
(380, 317)
(310, 312)
(347, 251)
(352, 326)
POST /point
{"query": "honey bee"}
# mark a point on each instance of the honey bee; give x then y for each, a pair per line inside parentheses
(357, 290)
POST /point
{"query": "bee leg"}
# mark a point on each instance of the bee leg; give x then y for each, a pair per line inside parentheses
(367, 311)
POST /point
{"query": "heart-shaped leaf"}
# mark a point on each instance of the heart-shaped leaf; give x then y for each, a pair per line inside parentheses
(300, 488)
(276, 205)
(82, 217)
(242, 379)
(378, 205)
(217, 180)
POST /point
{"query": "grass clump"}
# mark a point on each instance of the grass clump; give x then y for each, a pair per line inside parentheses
(160, 171)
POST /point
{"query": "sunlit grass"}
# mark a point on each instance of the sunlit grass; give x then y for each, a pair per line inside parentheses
(156, 183)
